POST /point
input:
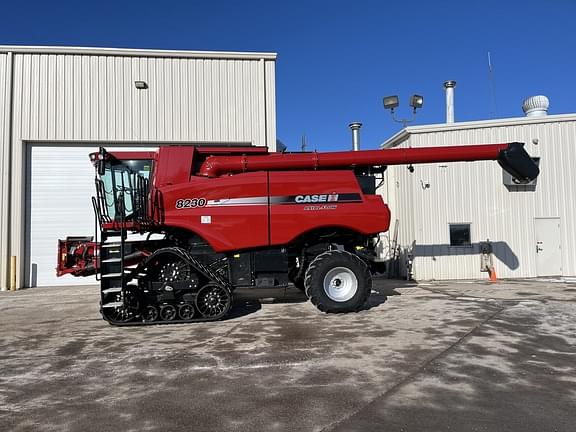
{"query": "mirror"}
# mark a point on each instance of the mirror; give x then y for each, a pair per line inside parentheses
(101, 166)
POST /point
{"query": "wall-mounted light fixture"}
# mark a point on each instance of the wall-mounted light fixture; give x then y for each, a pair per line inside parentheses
(140, 85)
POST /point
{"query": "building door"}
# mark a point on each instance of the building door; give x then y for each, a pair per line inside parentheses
(60, 185)
(548, 247)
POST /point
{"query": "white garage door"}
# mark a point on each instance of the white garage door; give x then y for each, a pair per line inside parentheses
(60, 187)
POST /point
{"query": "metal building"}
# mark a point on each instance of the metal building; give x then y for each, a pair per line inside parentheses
(447, 212)
(59, 104)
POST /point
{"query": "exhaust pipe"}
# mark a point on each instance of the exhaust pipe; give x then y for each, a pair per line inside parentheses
(355, 128)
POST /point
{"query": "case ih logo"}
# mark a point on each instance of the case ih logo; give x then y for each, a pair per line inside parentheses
(303, 199)
(324, 198)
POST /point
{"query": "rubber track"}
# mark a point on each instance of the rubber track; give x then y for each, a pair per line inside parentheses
(183, 254)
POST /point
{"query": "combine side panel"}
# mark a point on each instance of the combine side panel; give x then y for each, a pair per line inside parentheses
(328, 199)
(230, 213)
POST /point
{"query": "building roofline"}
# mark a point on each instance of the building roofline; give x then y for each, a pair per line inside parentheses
(136, 52)
(405, 133)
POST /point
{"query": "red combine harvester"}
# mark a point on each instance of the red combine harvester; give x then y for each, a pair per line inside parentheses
(215, 220)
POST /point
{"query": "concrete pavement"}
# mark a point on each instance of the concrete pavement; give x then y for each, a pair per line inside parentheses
(423, 357)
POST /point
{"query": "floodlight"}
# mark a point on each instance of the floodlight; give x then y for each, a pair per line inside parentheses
(391, 102)
(416, 101)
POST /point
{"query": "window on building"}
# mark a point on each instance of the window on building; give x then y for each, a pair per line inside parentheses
(460, 234)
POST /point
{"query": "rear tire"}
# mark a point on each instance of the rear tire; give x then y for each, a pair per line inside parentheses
(337, 282)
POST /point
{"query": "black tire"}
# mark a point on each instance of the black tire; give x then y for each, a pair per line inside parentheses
(337, 282)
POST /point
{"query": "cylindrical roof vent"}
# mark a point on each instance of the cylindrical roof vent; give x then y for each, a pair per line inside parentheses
(536, 106)
(355, 127)
(449, 87)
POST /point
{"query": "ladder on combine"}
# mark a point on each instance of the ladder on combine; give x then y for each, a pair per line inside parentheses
(113, 283)
(127, 193)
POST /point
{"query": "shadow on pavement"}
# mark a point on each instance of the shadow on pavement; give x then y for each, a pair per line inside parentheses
(242, 308)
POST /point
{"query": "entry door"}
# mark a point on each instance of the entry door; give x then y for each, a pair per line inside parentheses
(59, 190)
(548, 247)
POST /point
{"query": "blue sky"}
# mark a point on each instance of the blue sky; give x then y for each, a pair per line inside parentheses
(336, 59)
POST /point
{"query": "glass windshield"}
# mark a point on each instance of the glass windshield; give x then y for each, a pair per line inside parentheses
(125, 185)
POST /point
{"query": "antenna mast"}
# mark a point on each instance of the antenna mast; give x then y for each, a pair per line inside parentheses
(493, 106)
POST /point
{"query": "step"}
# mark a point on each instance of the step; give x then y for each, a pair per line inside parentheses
(110, 245)
(111, 260)
(112, 290)
(113, 305)
(112, 275)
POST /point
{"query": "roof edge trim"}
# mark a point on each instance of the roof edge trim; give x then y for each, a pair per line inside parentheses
(137, 52)
(405, 133)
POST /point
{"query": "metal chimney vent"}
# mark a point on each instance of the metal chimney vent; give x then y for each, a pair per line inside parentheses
(449, 87)
(355, 128)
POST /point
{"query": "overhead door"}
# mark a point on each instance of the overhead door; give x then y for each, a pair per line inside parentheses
(60, 184)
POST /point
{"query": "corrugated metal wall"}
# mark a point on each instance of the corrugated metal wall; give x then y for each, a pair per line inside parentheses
(74, 97)
(474, 193)
(83, 97)
(5, 96)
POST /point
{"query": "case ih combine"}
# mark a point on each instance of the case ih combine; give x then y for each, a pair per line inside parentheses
(215, 220)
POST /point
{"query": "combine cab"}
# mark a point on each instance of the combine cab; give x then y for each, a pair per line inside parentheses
(182, 230)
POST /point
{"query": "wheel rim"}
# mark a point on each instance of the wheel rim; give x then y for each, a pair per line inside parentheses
(174, 271)
(186, 311)
(340, 284)
(168, 313)
(213, 301)
(151, 313)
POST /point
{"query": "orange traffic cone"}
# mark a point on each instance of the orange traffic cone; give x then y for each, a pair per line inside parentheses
(492, 273)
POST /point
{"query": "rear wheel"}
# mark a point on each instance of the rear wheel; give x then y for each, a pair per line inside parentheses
(338, 281)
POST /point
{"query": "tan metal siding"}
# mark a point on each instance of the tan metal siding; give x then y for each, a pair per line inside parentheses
(474, 193)
(271, 103)
(74, 97)
(5, 89)
(80, 98)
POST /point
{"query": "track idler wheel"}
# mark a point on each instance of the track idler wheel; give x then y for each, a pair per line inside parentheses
(213, 301)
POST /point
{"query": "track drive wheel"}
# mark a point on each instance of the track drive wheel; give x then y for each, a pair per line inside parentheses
(213, 301)
(338, 281)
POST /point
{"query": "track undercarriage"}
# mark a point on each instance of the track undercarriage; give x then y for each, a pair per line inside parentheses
(170, 286)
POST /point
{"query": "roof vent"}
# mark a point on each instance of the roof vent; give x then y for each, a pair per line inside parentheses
(536, 106)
